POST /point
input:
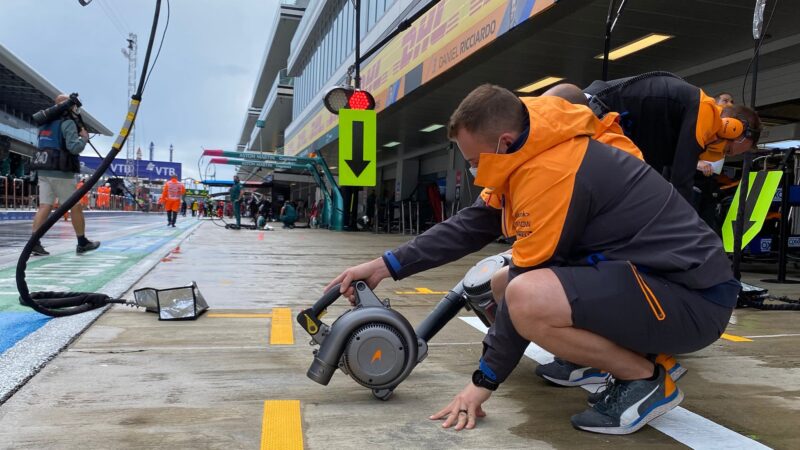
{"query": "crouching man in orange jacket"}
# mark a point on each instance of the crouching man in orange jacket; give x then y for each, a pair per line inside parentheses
(609, 263)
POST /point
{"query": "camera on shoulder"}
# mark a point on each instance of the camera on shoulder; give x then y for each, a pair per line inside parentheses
(56, 111)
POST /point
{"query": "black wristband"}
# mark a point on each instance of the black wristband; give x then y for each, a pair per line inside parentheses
(481, 380)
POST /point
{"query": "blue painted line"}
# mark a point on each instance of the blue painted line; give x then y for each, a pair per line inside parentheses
(14, 326)
(28, 215)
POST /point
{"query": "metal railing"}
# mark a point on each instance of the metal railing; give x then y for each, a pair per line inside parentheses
(21, 194)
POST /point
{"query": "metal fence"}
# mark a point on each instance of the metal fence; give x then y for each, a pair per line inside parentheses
(21, 194)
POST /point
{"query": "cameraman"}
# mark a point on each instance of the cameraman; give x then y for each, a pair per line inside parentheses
(56, 163)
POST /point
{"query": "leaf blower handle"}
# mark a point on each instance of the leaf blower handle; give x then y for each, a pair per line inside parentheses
(309, 318)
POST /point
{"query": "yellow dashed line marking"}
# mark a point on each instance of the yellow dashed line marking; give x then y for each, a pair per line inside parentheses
(735, 338)
(281, 427)
(239, 316)
(281, 333)
(420, 291)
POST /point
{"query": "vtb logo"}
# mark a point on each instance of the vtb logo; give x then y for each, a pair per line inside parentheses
(376, 356)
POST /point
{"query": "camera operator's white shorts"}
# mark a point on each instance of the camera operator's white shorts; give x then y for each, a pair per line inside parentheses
(51, 188)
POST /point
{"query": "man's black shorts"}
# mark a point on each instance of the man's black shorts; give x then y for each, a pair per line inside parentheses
(642, 312)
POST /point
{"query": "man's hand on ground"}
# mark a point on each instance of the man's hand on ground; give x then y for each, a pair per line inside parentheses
(370, 272)
(465, 408)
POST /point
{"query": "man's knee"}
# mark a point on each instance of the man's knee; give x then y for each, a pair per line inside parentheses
(538, 299)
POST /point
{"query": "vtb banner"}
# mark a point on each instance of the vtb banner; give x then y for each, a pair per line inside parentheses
(152, 170)
(760, 192)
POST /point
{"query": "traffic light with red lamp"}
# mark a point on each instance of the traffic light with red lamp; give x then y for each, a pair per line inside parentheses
(346, 97)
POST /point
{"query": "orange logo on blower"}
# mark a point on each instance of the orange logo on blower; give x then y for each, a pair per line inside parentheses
(376, 356)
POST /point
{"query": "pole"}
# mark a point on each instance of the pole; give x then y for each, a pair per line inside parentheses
(788, 177)
(744, 186)
(357, 78)
(607, 40)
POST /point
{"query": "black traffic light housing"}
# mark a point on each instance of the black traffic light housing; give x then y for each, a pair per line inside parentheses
(346, 97)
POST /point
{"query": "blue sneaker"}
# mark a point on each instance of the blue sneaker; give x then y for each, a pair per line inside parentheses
(565, 373)
(630, 405)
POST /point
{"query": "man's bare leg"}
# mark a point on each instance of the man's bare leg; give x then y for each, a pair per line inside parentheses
(41, 215)
(78, 220)
(541, 313)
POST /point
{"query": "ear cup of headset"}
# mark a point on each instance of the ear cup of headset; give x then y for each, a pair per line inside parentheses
(732, 128)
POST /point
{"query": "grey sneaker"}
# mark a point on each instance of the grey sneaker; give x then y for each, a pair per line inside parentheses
(92, 245)
(630, 405)
(38, 250)
(565, 373)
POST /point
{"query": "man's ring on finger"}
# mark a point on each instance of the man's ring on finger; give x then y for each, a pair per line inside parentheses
(463, 411)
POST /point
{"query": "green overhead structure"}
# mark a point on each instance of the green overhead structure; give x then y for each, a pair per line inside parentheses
(333, 212)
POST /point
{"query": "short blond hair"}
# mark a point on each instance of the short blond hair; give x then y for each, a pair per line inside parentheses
(488, 111)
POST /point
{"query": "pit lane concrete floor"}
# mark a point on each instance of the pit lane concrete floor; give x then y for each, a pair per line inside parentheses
(131, 381)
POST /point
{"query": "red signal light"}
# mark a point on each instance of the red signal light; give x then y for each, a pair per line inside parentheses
(359, 100)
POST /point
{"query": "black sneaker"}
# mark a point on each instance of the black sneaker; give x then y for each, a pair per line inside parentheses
(91, 245)
(630, 405)
(38, 250)
(565, 373)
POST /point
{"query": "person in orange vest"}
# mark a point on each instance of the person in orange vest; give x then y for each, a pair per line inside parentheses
(171, 198)
(103, 194)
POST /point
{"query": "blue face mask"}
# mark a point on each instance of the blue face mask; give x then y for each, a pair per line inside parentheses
(474, 170)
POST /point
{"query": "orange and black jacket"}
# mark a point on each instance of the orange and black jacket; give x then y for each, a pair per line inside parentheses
(673, 122)
(569, 200)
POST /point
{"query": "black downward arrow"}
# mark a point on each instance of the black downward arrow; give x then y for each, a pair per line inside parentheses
(752, 199)
(357, 164)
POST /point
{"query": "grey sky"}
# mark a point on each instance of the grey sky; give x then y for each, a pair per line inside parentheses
(199, 91)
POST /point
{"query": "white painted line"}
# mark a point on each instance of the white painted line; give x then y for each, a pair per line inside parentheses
(773, 336)
(684, 426)
(445, 344)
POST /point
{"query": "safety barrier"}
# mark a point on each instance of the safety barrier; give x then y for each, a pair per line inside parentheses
(21, 194)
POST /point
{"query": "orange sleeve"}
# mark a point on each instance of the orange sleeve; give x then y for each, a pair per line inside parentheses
(488, 197)
(708, 124)
(541, 194)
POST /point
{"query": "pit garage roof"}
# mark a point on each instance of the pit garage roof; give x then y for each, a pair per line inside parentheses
(26, 91)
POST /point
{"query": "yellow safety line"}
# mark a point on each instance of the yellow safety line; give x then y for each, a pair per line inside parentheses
(735, 338)
(239, 316)
(281, 332)
(420, 291)
(281, 427)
